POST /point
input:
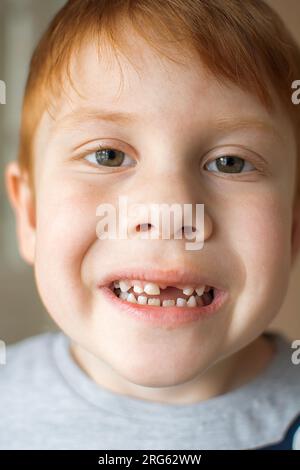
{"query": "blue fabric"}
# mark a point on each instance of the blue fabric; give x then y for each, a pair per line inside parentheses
(291, 440)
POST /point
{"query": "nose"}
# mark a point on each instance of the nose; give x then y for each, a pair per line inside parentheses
(174, 210)
(178, 228)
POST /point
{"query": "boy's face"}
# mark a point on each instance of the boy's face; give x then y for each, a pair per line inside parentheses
(184, 120)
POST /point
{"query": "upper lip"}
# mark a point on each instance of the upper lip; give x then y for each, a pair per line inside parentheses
(171, 277)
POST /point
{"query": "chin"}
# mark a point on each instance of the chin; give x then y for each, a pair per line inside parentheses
(158, 374)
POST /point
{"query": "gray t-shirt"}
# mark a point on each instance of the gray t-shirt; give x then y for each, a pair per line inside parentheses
(48, 402)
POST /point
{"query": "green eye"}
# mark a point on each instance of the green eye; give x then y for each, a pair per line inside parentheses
(107, 157)
(230, 164)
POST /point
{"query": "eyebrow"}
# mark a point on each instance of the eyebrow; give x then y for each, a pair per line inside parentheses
(233, 123)
(221, 123)
(79, 114)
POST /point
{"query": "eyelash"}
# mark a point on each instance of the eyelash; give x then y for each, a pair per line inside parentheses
(258, 167)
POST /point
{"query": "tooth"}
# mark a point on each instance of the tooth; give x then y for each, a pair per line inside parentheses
(154, 302)
(131, 298)
(200, 290)
(137, 289)
(142, 299)
(151, 288)
(116, 284)
(188, 290)
(123, 295)
(192, 302)
(124, 286)
(168, 303)
(180, 302)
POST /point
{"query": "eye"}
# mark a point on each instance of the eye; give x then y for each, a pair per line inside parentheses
(230, 164)
(105, 156)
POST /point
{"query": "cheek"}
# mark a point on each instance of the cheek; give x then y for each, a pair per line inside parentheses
(263, 239)
(260, 236)
(66, 228)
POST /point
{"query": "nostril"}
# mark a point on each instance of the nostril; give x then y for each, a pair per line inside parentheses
(188, 230)
(143, 227)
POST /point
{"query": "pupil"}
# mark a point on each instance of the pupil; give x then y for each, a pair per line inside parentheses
(234, 164)
(109, 157)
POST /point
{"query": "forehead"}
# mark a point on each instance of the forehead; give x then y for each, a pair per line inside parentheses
(144, 87)
(114, 80)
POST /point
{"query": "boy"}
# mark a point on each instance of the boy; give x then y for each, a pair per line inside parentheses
(161, 347)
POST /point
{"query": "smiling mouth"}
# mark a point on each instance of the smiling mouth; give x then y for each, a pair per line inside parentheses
(148, 293)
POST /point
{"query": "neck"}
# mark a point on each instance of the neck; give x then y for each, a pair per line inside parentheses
(226, 375)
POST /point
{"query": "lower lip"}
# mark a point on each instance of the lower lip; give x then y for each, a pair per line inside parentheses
(165, 316)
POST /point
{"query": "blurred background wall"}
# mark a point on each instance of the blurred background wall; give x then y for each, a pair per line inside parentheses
(22, 313)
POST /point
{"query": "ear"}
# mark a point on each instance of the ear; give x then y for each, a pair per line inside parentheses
(296, 229)
(22, 202)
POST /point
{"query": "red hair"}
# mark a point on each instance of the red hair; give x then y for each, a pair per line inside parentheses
(244, 42)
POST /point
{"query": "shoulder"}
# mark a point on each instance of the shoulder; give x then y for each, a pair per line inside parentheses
(33, 392)
(261, 413)
(284, 373)
(283, 377)
(280, 392)
(25, 363)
